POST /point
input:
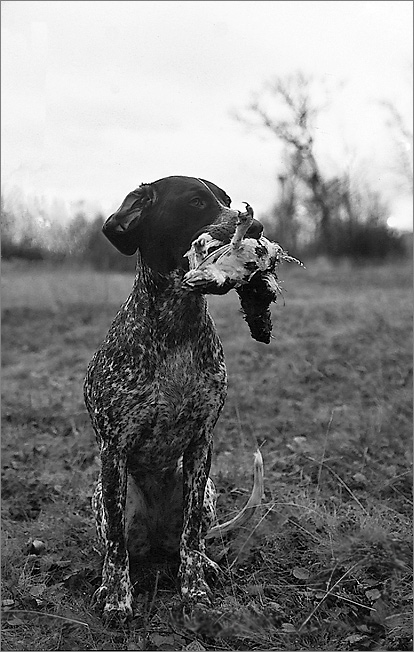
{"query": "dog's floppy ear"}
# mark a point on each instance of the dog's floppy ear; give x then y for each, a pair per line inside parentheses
(122, 227)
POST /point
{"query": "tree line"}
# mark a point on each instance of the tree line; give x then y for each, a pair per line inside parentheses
(314, 213)
(355, 229)
(79, 243)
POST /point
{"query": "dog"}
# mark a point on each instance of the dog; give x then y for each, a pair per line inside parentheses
(154, 391)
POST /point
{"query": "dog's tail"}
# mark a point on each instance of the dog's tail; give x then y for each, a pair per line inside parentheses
(250, 507)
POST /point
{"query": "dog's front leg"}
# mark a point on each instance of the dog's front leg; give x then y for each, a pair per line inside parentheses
(114, 595)
(196, 468)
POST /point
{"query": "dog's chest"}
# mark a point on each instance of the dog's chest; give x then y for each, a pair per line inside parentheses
(159, 380)
(185, 400)
(154, 401)
(185, 388)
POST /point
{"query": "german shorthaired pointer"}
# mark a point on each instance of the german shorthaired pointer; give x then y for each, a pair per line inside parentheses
(155, 389)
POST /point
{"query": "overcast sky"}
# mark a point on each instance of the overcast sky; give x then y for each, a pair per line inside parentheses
(98, 97)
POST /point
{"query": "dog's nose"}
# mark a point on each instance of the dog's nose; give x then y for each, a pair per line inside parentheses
(255, 230)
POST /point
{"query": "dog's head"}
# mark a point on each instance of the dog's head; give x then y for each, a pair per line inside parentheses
(163, 218)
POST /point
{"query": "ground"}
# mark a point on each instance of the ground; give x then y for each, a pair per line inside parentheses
(324, 566)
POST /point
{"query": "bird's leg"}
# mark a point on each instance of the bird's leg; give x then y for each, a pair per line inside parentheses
(243, 223)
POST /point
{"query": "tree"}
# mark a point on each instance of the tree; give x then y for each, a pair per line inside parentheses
(7, 232)
(403, 139)
(284, 224)
(290, 100)
(77, 236)
(348, 220)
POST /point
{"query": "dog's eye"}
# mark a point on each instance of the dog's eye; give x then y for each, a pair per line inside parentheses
(196, 201)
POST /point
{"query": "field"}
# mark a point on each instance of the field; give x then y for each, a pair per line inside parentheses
(327, 563)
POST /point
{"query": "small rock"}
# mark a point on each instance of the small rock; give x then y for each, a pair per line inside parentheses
(35, 547)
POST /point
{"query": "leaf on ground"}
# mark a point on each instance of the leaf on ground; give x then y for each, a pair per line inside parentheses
(254, 589)
(358, 641)
(164, 642)
(69, 644)
(354, 638)
(196, 646)
(301, 573)
(14, 621)
(288, 628)
(360, 478)
(363, 628)
(138, 643)
(38, 590)
(300, 445)
(275, 606)
(320, 595)
(373, 594)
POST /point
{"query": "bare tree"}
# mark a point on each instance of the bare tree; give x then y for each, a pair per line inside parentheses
(348, 219)
(288, 108)
(403, 138)
(283, 216)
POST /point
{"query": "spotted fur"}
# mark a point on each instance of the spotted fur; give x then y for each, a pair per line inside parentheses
(154, 390)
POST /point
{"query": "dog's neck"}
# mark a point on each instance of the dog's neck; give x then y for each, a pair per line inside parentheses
(176, 313)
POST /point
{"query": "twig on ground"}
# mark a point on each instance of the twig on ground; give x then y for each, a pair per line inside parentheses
(329, 592)
(324, 447)
(357, 604)
(33, 612)
(154, 594)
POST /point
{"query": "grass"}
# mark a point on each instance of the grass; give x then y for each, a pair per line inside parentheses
(327, 563)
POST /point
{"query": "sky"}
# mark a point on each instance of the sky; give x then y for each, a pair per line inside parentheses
(98, 97)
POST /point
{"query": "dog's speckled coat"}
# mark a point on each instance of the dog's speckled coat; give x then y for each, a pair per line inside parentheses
(154, 391)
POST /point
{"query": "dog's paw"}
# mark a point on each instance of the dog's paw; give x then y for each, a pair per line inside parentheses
(117, 616)
(197, 594)
(115, 609)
